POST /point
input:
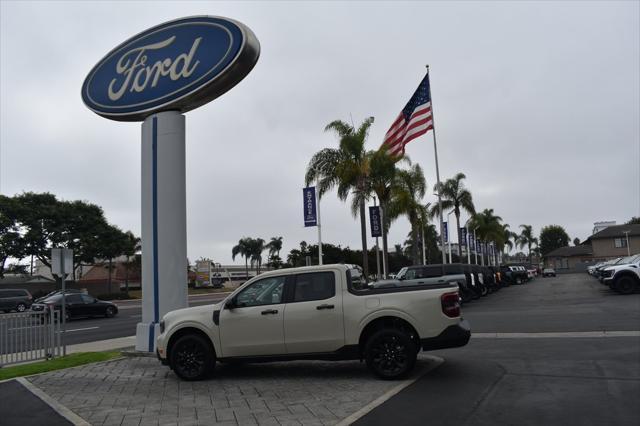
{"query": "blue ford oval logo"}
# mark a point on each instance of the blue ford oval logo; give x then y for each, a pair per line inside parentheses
(178, 65)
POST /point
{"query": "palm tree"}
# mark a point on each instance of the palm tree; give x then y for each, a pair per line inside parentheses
(488, 227)
(347, 169)
(406, 199)
(382, 173)
(256, 247)
(526, 238)
(507, 240)
(243, 248)
(454, 195)
(274, 246)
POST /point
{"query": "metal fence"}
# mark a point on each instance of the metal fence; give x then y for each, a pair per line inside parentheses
(29, 336)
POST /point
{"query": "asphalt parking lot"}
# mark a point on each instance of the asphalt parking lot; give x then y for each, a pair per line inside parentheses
(529, 363)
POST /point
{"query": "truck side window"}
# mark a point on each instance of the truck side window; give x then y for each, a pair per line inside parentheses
(264, 292)
(431, 271)
(314, 286)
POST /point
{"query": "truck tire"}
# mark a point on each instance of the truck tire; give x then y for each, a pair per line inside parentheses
(625, 285)
(484, 290)
(192, 357)
(390, 353)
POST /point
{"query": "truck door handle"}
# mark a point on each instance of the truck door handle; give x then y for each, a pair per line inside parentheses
(325, 306)
(420, 282)
(269, 312)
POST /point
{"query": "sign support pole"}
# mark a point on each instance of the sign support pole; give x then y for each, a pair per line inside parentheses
(466, 237)
(64, 305)
(164, 224)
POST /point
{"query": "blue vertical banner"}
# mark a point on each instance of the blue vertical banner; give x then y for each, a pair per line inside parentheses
(479, 246)
(463, 237)
(374, 220)
(309, 199)
(445, 229)
(472, 243)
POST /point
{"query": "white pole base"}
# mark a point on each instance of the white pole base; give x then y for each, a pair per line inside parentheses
(146, 335)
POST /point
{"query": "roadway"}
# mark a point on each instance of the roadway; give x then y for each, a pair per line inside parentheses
(84, 330)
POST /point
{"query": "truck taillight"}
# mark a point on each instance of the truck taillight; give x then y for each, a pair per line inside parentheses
(451, 304)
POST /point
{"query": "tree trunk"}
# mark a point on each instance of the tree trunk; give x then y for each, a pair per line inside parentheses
(385, 253)
(126, 277)
(246, 268)
(363, 228)
(414, 237)
(459, 239)
(110, 263)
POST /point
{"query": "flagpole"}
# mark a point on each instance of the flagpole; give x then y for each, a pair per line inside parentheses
(435, 149)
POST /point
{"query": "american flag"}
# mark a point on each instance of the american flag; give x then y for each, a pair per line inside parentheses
(414, 120)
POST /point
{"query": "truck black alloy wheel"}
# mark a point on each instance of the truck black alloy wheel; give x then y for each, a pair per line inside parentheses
(192, 358)
(625, 285)
(390, 353)
(109, 312)
(21, 307)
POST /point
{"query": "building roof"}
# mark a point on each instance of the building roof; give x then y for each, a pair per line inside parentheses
(581, 250)
(617, 231)
(24, 279)
(100, 273)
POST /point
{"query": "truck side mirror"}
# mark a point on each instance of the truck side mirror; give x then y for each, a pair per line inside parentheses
(231, 304)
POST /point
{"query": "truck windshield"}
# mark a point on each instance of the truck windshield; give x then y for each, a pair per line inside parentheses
(401, 273)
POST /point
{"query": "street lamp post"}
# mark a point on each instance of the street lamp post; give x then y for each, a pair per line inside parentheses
(448, 237)
(626, 233)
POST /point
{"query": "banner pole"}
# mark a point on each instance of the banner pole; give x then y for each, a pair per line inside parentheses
(435, 149)
(467, 242)
(377, 249)
(319, 227)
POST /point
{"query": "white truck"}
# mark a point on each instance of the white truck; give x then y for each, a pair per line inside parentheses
(623, 277)
(319, 312)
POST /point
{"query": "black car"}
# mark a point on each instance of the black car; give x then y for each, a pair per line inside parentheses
(78, 305)
(53, 293)
(15, 300)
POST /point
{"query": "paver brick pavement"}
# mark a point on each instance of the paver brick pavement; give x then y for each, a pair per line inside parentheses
(139, 391)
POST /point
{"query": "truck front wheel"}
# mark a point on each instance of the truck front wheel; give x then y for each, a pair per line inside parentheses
(192, 358)
(625, 285)
(390, 353)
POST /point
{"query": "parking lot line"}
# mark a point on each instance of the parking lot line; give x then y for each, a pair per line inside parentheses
(558, 334)
(435, 362)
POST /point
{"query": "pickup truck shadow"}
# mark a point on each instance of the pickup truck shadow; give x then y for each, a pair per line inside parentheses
(325, 370)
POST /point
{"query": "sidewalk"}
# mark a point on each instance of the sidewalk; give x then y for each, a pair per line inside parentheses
(140, 391)
(103, 345)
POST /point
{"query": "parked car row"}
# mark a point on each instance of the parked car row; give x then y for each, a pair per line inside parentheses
(473, 281)
(621, 275)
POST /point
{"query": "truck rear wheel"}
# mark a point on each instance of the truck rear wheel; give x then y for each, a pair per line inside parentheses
(390, 353)
(192, 358)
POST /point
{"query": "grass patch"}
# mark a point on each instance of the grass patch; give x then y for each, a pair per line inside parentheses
(72, 360)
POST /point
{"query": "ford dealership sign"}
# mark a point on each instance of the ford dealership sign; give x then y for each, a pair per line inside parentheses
(179, 65)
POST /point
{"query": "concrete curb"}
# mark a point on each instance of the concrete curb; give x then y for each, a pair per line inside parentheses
(55, 405)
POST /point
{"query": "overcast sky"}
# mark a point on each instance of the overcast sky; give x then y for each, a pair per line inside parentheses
(538, 103)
